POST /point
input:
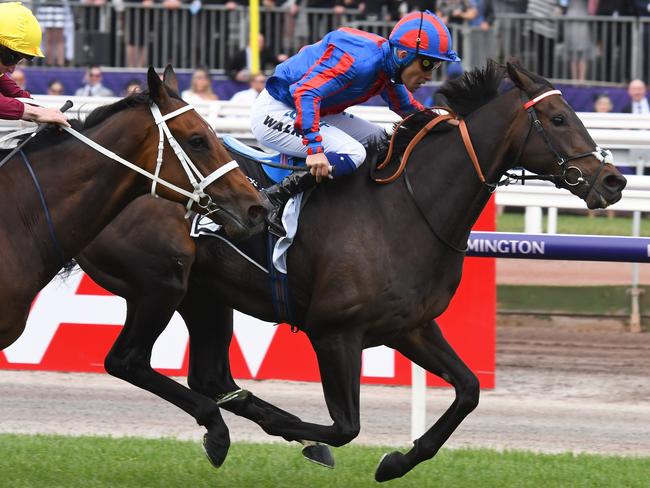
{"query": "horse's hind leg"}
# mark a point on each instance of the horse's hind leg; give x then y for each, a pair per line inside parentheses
(428, 348)
(210, 374)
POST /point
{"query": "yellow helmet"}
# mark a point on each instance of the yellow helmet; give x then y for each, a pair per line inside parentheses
(19, 29)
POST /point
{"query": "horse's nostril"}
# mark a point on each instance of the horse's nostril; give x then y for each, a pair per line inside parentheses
(257, 212)
(615, 182)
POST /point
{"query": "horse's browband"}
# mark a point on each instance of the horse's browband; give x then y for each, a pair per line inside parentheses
(538, 98)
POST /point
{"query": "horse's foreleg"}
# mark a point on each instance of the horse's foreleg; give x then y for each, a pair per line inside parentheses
(129, 359)
(428, 348)
(210, 374)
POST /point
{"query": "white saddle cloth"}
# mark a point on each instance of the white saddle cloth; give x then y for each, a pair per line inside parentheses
(203, 226)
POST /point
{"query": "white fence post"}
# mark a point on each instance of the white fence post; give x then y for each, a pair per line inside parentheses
(551, 223)
(533, 220)
(418, 401)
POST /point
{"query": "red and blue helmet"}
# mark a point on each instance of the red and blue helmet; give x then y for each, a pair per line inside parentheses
(421, 34)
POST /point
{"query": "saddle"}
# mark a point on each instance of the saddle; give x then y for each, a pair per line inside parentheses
(275, 165)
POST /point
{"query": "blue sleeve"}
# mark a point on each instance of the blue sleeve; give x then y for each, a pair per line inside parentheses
(331, 73)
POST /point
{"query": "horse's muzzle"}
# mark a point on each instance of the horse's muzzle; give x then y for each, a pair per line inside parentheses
(607, 191)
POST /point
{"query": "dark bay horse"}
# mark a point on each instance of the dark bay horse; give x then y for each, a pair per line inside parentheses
(57, 195)
(370, 265)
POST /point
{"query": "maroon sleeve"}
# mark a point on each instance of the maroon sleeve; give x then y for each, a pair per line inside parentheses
(10, 108)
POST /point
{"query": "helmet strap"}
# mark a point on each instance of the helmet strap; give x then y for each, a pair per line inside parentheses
(417, 40)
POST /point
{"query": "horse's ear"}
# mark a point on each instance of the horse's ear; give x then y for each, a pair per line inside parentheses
(520, 77)
(169, 78)
(156, 87)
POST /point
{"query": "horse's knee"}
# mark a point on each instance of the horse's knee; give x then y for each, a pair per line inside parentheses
(468, 393)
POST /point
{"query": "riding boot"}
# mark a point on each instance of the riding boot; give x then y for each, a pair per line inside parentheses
(279, 195)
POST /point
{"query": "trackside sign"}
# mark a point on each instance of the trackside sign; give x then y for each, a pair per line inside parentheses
(73, 324)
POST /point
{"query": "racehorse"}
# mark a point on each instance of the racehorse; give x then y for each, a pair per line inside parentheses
(370, 264)
(59, 192)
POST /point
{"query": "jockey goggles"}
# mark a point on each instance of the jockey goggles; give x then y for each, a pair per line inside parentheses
(9, 57)
(429, 64)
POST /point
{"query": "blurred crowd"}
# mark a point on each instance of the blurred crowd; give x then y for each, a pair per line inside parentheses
(287, 27)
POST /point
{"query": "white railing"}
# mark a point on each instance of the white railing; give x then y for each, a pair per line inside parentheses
(627, 135)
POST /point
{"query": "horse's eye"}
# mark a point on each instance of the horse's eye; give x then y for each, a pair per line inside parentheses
(197, 142)
(557, 120)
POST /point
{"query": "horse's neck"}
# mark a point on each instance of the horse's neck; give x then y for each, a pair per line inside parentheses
(448, 185)
(84, 191)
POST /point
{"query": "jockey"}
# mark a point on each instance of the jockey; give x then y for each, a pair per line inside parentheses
(301, 111)
(20, 38)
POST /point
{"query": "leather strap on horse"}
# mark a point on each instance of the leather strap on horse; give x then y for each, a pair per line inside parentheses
(464, 133)
(407, 152)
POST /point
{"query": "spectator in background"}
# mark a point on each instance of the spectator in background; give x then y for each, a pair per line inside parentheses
(239, 67)
(256, 87)
(638, 98)
(139, 20)
(544, 34)
(577, 39)
(93, 84)
(133, 86)
(380, 10)
(200, 89)
(55, 87)
(19, 77)
(52, 18)
(603, 104)
(457, 11)
(485, 15)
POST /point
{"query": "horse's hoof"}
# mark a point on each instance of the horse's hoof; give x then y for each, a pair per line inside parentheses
(216, 449)
(391, 465)
(319, 454)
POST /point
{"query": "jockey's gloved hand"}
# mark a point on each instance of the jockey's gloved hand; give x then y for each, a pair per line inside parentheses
(319, 165)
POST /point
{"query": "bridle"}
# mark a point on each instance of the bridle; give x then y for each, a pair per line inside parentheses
(602, 155)
(198, 181)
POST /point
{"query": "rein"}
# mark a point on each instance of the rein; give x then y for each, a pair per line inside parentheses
(602, 155)
(195, 177)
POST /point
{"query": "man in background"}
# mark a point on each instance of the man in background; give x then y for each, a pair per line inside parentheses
(638, 98)
(248, 96)
(93, 86)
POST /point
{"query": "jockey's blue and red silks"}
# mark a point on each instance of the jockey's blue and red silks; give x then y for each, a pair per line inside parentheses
(345, 68)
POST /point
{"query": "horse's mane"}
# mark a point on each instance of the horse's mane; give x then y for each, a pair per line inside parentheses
(465, 94)
(52, 135)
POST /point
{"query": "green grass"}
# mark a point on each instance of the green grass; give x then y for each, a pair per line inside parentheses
(93, 462)
(599, 224)
(599, 300)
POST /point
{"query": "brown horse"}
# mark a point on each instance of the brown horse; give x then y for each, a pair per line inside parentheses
(59, 193)
(370, 264)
